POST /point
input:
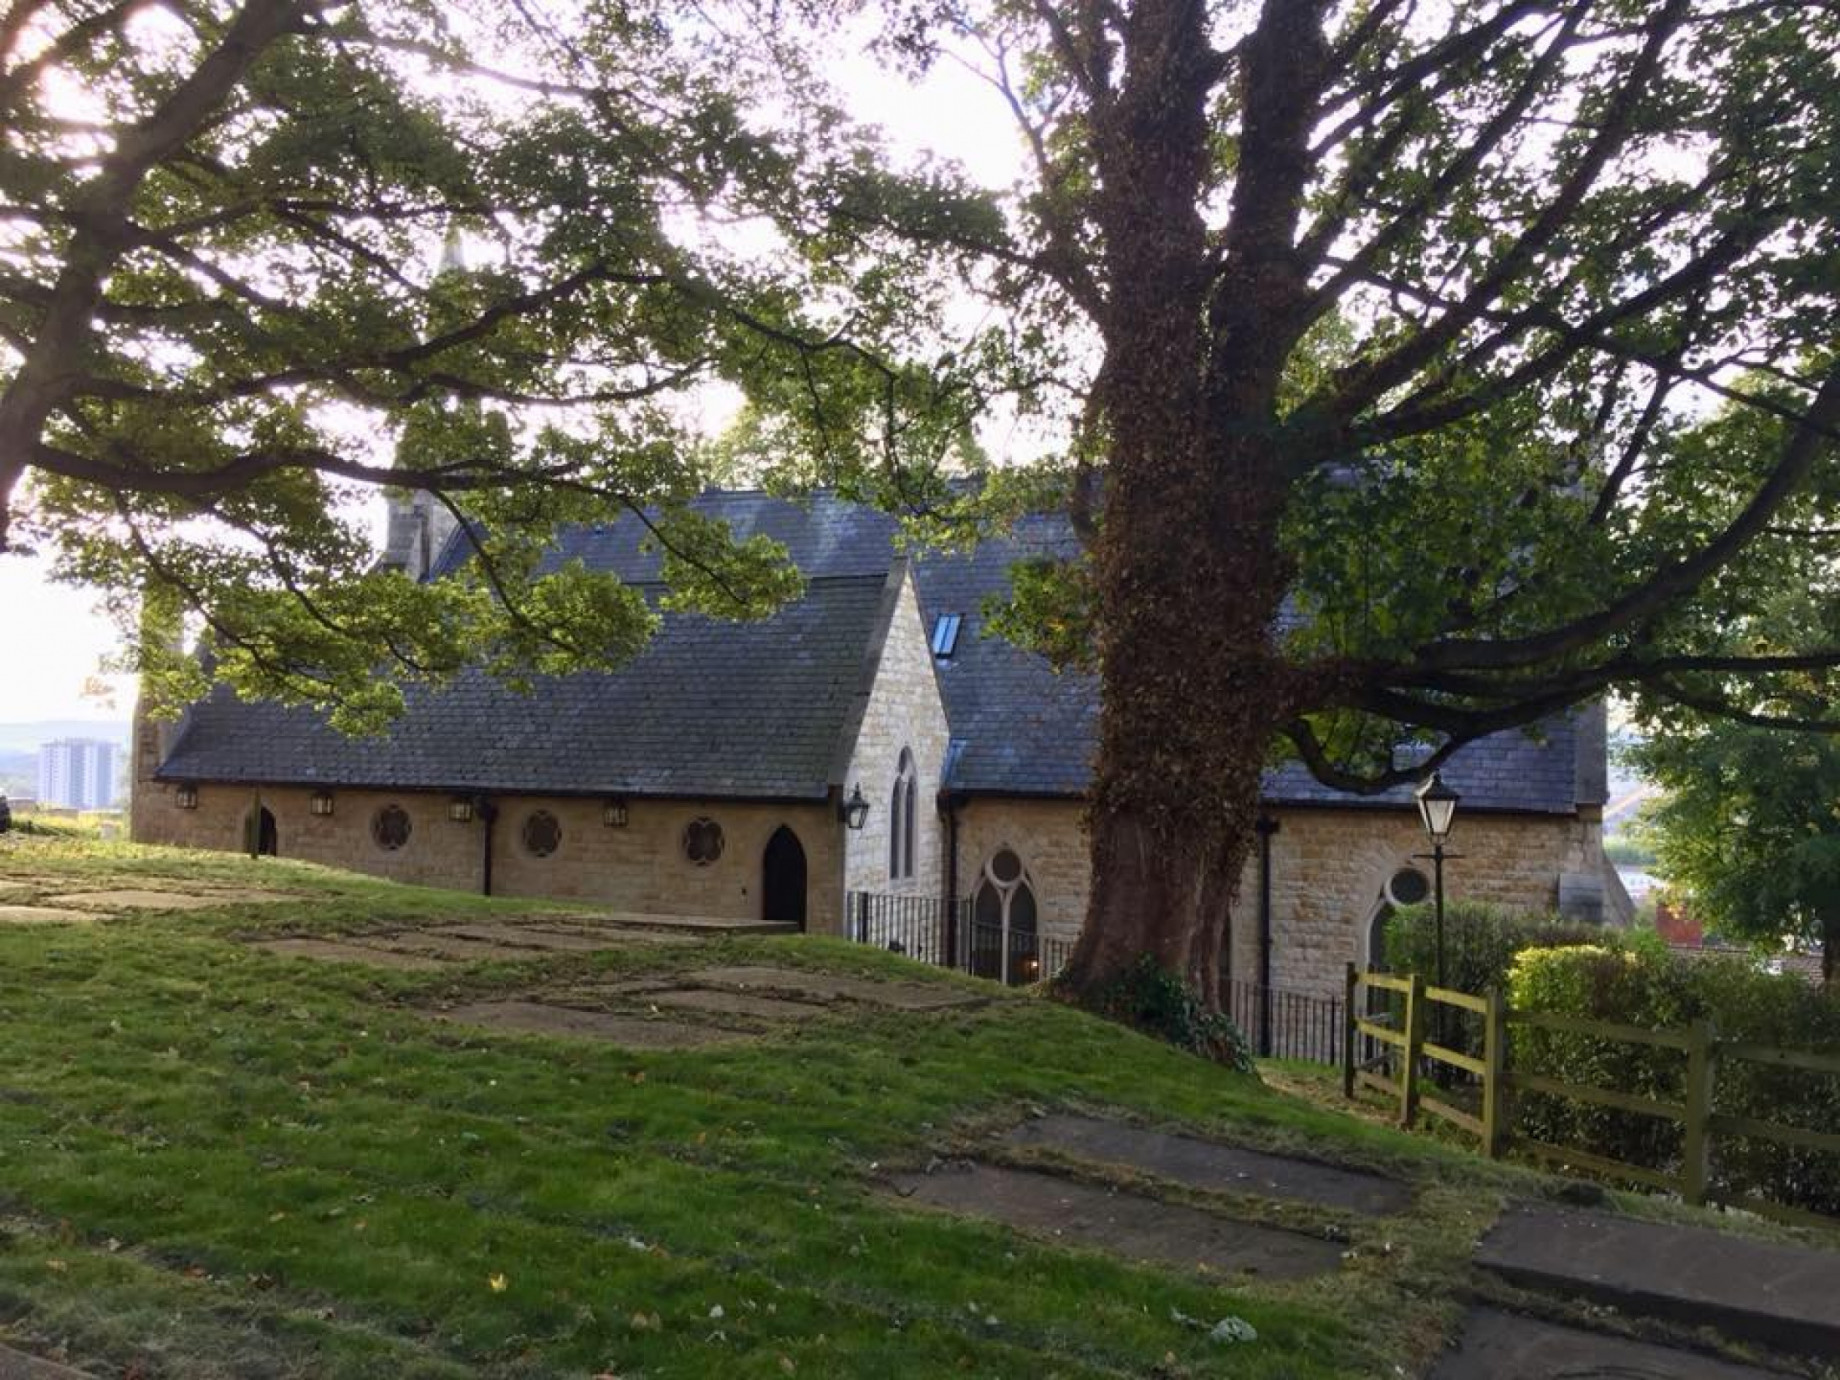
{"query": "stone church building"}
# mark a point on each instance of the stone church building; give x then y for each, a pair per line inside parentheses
(715, 774)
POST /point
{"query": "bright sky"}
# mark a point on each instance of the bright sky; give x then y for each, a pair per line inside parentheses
(53, 639)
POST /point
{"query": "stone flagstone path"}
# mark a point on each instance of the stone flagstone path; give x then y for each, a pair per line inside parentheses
(1502, 1346)
(336, 951)
(1066, 1212)
(634, 1032)
(17, 1365)
(1785, 1297)
(815, 986)
(1209, 1165)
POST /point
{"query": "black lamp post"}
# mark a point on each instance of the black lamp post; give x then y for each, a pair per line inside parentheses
(1437, 809)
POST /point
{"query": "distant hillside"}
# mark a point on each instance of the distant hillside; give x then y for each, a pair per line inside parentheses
(25, 737)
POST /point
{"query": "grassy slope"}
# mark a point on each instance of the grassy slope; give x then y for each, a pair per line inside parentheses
(214, 1161)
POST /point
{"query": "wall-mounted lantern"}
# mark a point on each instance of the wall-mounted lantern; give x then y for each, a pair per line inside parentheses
(460, 809)
(854, 812)
(186, 796)
(320, 803)
(613, 813)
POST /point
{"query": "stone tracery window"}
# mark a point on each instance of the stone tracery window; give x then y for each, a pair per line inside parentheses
(390, 828)
(702, 841)
(902, 819)
(542, 833)
(1004, 931)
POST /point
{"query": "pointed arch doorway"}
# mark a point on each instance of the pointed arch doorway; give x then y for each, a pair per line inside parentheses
(261, 838)
(782, 879)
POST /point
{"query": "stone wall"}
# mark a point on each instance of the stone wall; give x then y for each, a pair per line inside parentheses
(904, 711)
(641, 867)
(1051, 841)
(1329, 868)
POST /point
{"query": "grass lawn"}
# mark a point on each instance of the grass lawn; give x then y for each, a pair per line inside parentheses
(215, 1161)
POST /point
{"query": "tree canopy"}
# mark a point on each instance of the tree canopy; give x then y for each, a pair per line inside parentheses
(226, 316)
(1397, 347)
(1749, 830)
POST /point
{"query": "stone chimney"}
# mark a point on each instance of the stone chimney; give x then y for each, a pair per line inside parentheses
(420, 526)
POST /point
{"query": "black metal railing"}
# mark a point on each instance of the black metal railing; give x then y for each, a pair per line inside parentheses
(1285, 1024)
(928, 928)
(946, 934)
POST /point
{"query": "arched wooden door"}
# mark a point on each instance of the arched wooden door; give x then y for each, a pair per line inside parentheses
(782, 882)
(260, 834)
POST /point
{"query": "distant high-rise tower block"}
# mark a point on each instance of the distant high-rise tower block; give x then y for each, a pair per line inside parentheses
(77, 773)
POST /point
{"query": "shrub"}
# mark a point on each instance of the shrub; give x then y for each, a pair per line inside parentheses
(1480, 941)
(1157, 1002)
(1649, 987)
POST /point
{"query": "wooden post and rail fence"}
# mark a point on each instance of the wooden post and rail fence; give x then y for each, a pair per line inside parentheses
(1495, 1082)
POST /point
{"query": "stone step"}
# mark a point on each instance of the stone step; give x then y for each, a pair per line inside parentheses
(1502, 1346)
(1067, 1212)
(1212, 1166)
(690, 924)
(1784, 1297)
(19, 1365)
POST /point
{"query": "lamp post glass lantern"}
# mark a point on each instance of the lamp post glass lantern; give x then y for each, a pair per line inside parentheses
(855, 810)
(1437, 810)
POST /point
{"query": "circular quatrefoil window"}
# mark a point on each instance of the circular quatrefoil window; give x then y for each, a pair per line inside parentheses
(542, 834)
(702, 841)
(1407, 887)
(390, 828)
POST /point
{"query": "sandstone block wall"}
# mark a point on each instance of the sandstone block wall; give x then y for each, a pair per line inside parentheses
(641, 867)
(1050, 838)
(904, 711)
(1329, 867)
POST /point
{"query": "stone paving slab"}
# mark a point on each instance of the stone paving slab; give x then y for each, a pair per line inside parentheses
(1210, 1165)
(137, 899)
(733, 1004)
(44, 915)
(635, 1032)
(802, 982)
(18, 1365)
(1066, 1212)
(1501, 1346)
(710, 924)
(446, 946)
(334, 951)
(555, 941)
(1786, 1297)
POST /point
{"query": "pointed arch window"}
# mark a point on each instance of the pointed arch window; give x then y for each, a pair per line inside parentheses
(903, 813)
(1005, 942)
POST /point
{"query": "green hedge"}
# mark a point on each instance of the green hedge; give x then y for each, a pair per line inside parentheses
(1480, 941)
(1649, 987)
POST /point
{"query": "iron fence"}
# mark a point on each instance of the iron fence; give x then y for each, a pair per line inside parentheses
(1286, 1024)
(946, 934)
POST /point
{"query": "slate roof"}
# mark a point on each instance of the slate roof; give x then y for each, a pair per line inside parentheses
(1018, 728)
(758, 709)
(710, 708)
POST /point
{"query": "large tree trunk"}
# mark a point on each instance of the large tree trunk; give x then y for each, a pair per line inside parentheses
(1192, 694)
(1189, 571)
